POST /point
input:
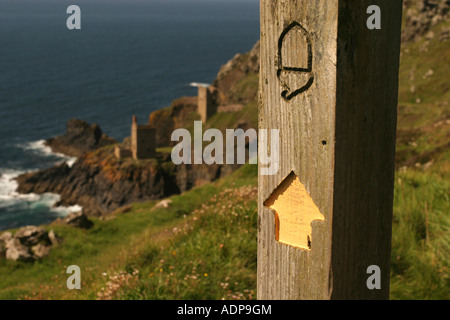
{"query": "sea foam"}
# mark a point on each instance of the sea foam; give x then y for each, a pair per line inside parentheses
(9, 197)
(40, 148)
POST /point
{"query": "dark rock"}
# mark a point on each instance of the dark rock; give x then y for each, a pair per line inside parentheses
(101, 184)
(28, 244)
(30, 236)
(47, 180)
(16, 251)
(78, 220)
(80, 137)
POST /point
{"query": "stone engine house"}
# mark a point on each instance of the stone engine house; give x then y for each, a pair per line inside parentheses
(143, 141)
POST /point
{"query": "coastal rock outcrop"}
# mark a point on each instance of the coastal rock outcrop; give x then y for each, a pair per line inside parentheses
(78, 220)
(80, 137)
(28, 244)
(30, 236)
(100, 183)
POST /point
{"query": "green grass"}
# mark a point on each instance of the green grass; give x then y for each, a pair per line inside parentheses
(212, 254)
(424, 103)
(213, 257)
(421, 229)
(127, 239)
(421, 237)
(222, 121)
(246, 89)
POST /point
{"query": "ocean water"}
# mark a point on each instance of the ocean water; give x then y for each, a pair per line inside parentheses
(131, 57)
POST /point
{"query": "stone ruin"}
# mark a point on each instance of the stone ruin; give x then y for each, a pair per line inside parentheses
(209, 103)
(206, 105)
(143, 143)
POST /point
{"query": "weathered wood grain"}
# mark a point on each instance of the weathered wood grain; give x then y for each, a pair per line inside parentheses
(337, 122)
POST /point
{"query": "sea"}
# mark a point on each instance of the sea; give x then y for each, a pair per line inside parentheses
(130, 57)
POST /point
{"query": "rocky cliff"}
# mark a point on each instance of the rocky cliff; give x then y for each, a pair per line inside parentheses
(101, 183)
(80, 137)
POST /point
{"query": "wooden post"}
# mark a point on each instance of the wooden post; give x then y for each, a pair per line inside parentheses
(330, 85)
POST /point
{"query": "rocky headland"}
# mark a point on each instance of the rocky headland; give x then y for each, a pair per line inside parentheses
(101, 183)
(80, 137)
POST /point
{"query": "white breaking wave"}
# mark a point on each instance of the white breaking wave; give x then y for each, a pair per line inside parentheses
(71, 161)
(197, 84)
(10, 197)
(39, 147)
(8, 185)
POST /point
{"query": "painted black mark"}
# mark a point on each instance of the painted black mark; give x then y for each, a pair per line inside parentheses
(288, 94)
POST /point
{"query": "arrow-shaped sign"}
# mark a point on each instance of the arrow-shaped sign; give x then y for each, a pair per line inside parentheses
(294, 211)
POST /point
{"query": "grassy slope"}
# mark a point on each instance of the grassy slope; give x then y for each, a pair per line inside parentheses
(424, 104)
(421, 230)
(421, 237)
(197, 236)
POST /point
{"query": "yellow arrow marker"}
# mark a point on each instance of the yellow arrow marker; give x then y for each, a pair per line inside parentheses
(294, 211)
